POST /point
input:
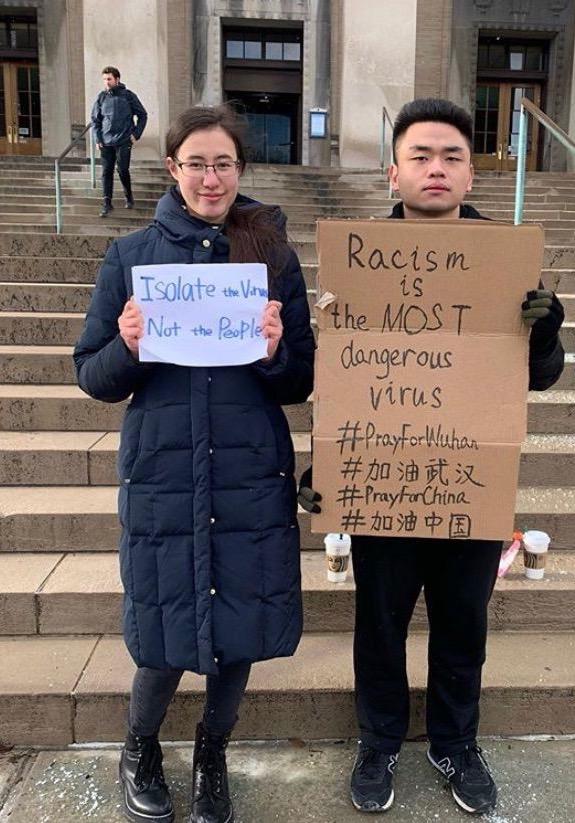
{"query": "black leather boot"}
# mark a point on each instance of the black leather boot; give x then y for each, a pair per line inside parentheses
(146, 796)
(211, 796)
(107, 207)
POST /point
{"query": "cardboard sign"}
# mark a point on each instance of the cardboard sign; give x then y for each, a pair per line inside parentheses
(421, 376)
(202, 315)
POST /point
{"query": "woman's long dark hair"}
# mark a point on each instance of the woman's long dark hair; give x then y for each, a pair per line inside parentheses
(256, 232)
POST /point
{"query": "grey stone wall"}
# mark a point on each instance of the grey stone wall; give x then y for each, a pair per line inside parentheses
(553, 19)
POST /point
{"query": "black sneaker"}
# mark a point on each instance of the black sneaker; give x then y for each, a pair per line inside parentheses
(372, 780)
(467, 773)
(107, 207)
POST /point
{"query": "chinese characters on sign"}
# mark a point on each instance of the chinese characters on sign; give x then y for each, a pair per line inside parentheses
(421, 387)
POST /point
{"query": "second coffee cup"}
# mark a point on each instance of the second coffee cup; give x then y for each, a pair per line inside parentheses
(337, 548)
(535, 544)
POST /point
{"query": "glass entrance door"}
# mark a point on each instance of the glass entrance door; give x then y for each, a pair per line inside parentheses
(272, 126)
(497, 112)
(20, 117)
(269, 138)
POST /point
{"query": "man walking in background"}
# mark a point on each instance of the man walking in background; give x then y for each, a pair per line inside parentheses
(113, 116)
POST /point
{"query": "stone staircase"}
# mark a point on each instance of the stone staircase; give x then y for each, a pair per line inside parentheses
(64, 673)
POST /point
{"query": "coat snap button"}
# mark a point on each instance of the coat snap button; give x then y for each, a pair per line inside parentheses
(206, 243)
(212, 519)
(211, 451)
(216, 660)
(212, 591)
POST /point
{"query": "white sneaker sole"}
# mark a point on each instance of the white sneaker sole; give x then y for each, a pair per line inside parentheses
(456, 797)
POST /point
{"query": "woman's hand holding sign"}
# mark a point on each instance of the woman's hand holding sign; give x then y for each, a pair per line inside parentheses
(131, 324)
(272, 326)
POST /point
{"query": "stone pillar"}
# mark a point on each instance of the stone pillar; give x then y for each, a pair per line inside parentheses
(54, 69)
(134, 40)
(317, 69)
(379, 41)
(571, 127)
(433, 48)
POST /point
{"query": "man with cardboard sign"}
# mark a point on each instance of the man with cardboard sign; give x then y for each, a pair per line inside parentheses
(422, 372)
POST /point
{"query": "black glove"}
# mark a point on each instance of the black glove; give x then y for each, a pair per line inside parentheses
(543, 311)
(306, 496)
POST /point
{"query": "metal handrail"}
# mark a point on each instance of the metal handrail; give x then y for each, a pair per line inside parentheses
(58, 171)
(385, 116)
(527, 106)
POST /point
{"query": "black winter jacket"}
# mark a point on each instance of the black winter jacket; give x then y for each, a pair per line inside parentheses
(546, 358)
(113, 116)
(210, 544)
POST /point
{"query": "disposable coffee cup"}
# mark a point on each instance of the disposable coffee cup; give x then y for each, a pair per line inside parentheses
(337, 548)
(535, 545)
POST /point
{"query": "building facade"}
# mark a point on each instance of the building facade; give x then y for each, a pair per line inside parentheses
(318, 80)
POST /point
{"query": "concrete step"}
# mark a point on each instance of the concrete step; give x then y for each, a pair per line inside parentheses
(53, 594)
(48, 229)
(45, 297)
(75, 297)
(65, 407)
(83, 271)
(65, 689)
(84, 518)
(54, 365)
(57, 297)
(86, 246)
(568, 301)
(36, 364)
(40, 328)
(80, 519)
(561, 281)
(64, 329)
(89, 458)
(32, 269)
(38, 245)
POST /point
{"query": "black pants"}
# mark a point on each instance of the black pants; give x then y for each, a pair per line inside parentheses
(458, 579)
(119, 156)
(153, 690)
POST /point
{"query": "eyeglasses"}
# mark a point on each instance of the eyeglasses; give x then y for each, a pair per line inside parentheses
(223, 168)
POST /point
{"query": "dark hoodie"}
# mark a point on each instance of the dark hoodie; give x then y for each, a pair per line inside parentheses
(113, 117)
(546, 355)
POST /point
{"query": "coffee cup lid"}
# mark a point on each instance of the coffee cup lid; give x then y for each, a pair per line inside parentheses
(536, 540)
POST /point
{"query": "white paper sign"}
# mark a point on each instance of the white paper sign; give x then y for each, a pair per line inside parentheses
(202, 315)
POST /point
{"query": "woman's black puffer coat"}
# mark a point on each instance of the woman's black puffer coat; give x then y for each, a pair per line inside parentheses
(210, 543)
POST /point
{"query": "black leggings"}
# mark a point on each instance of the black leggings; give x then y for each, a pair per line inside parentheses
(153, 690)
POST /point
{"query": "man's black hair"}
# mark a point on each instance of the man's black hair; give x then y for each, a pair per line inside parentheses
(435, 110)
(111, 70)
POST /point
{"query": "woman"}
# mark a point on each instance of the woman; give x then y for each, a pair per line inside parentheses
(210, 544)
